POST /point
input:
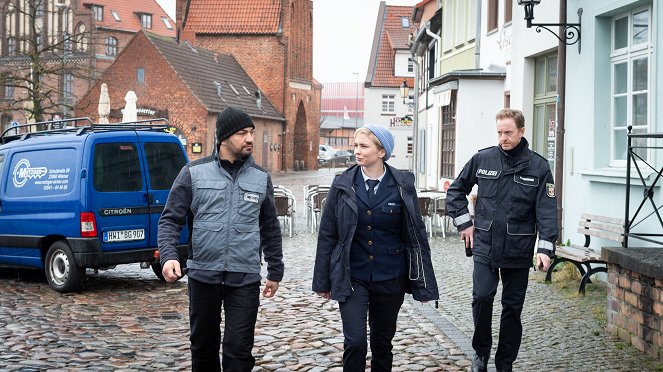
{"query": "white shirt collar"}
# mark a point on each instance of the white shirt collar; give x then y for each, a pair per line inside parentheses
(366, 178)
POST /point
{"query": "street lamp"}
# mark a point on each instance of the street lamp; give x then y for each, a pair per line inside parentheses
(356, 74)
(405, 90)
(66, 46)
(571, 32)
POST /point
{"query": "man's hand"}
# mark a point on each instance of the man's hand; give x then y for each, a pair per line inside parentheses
(171, 270)
(542, 261)
(467, 235)
(270, 288)
(325, 295)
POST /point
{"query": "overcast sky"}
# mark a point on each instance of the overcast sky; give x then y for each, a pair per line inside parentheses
(342, 36)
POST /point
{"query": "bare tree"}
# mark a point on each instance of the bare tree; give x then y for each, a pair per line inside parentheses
(45, 53)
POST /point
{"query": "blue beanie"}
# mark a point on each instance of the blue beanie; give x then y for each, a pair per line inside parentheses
(385, 137)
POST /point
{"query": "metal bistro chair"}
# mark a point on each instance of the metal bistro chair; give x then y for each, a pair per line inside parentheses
(441, 215)
(318, 198)
(425, 205)
(308, 192)
(286, 207)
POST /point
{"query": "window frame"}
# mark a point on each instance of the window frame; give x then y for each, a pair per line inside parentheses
(140, 75)
(111, 46)
(628, 55)
(146, 20)
(492, 20)
(98, 11)
(388, 104)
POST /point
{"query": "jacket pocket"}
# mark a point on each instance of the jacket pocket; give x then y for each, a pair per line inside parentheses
(210, 196)
(204, 237)
(520, 240)
(251, 197)
(339, 272)
(244, 247)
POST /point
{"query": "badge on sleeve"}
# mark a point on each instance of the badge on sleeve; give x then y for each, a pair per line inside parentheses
(550, 190)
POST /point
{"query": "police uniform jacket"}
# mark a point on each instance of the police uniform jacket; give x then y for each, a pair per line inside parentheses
(338, 229)
(515, 203)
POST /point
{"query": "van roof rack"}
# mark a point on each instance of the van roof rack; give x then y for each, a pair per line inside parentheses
(59, 127)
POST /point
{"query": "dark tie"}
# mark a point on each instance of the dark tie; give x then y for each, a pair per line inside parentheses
(371, 190)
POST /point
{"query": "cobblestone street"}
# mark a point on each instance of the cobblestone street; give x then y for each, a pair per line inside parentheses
(125, 319)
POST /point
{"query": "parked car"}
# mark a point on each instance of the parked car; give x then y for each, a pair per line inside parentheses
(85, 196)
(344, 157)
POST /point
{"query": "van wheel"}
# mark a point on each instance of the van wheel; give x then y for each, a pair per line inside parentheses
(156, 267)
(62, 273)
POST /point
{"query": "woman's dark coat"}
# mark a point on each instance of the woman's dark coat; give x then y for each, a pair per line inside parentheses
(337, 229)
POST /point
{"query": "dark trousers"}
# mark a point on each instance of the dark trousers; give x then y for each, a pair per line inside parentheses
(381, 301)
(240, 305)
(514, 286)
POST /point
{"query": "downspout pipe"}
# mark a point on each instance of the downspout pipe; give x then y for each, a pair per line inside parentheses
(415, 123)
(477, 38)
(561, 110)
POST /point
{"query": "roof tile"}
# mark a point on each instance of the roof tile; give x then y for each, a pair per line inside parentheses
(234, 16)
(200, 68)
(394, 37)
(129, 13)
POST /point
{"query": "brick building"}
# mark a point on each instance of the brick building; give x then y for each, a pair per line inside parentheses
(272, 40)
(90, 34)
(189, 86)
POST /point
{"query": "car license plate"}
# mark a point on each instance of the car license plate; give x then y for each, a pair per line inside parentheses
(123, 235)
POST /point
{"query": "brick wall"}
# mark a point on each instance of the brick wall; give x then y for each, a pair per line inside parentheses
(635, 309)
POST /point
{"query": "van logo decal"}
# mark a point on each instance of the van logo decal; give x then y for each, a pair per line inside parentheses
(126, 211)
(23, 172)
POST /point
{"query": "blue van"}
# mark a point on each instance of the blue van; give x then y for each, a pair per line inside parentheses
(85, 196)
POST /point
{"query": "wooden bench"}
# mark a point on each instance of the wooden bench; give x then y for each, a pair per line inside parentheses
(589, 225)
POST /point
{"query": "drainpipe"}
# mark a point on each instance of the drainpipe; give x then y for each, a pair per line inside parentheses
(477, 38)
(559, 132)
(415, 122)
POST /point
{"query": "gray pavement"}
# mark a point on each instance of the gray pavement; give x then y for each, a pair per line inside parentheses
(125, 319)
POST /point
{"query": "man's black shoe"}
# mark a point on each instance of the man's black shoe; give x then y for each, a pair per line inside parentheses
(479, 364)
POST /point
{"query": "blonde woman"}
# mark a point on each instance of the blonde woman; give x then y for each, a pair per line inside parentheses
(372, 249)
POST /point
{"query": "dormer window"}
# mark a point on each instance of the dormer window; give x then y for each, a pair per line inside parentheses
(98, 11)
(405, 22)
(218, 88)
(167, 23)
(115, 15)
(146, 20)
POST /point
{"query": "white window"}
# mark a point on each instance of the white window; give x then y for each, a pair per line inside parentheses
(167, 23)
(146, 20)
(115, 15)
(448, 25)
(405, 22)
(410, 65)
(460, 24)
(111, 46)
(67, 88)
(98, 11)
(388, 101)
(630, 83)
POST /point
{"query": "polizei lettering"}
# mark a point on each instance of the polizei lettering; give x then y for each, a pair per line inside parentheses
(489, 173)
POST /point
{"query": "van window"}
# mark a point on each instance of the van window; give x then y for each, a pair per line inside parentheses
(117, 168)
(164, 161)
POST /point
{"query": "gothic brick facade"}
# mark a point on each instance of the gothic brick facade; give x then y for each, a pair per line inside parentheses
(276, 51)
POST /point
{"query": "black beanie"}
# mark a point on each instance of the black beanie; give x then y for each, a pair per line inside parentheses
(231, 121)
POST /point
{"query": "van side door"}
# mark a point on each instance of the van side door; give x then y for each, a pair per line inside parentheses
(118, 192)
(164, 158)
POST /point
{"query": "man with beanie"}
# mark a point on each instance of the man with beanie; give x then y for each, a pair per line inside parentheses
(516, 204)
(228, 203)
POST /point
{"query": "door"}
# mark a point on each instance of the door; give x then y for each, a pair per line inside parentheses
(118, 192)
(163, 161)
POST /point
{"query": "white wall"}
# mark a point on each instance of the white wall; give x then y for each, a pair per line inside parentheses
(400, 64)
(478, 102)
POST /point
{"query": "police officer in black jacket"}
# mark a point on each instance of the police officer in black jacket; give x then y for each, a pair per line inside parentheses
(516, 202)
